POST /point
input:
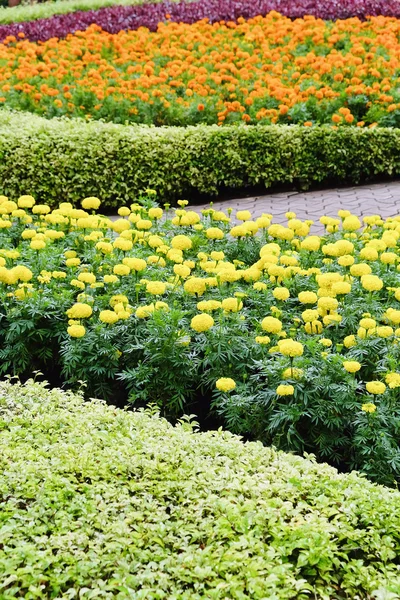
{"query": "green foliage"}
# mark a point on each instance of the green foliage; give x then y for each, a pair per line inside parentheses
(32, 12)
(71, 159)
(98, 502)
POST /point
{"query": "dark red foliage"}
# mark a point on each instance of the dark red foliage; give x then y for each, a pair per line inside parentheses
(116, 18)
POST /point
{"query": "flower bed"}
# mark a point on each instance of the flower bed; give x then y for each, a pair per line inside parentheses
(283, 328)
(307, 72)
(114, 18)
(105, 503)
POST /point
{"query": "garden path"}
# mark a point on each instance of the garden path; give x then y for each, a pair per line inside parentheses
(379, 198)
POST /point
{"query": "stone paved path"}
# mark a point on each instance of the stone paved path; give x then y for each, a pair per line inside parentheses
(380, 198)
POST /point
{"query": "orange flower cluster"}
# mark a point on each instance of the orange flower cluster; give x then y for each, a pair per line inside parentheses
(263, 70)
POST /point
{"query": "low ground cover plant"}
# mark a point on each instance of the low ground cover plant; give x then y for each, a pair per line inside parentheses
(288, 337)
(100, 502)
(262, 70)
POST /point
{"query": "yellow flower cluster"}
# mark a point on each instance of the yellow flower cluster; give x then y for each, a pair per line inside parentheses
(300, 294)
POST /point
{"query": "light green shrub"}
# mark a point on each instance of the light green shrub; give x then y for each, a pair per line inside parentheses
(102, 503)
(70, 159)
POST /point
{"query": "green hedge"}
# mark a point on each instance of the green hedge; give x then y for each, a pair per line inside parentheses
(32, 12)
(70, 159)
(102, 503)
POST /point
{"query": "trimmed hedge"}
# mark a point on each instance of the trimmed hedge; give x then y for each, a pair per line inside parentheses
(66, 159)
(102, 503)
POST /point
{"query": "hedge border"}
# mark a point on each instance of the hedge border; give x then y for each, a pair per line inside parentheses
(70, 159)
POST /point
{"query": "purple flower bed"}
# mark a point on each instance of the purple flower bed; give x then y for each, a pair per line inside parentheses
(116, 18)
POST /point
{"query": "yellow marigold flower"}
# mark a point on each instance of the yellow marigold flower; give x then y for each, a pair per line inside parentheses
(144, 311)
(214, 233)
(73, 262)
(121, 225)
(122, 244)
(393, 315)
(217, 255)
(311, 243)
(326, 342)
(285, 390)
(368, 253)
(384, 331)
(259, 286)
(280, 232)
(41, 209)
(37, 244)
(346, 260)
(124, 211)
(309, 315)
(121, 269)
(76, 331)
(22, 273)
(135, 264)
(367, 323)
(87, 277)
(341, 287)
(351, 366)
(155, 213)
(175, 254)
(393, 380)
(195, 285)
(368, 407)
(182, 271)
(209, 305)
(281, 293)
(91, 203)
(118, 298)
(290, 348)
(327, 303)
(59, 275)
(181, 242)
(157, 288)
(332, 318)
(225, 384)
(349, 341)
(28, 234)
(376, 387)
(271, 325)
(232, 304)
(110, 279)
(371, 283)
(313, 327)
(202, 322)
(243, 215)
(263, 340)
(78, 284)
(389, 258)
(108, 316)
(351, 223)
(79, 310)
(360, 269)
(307, 297)
(239, 231)
(104, 247)
(26, 201)
(292, 373)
